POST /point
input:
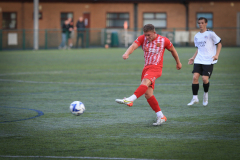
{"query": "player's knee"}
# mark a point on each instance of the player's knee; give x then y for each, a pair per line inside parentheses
(205, 79)
(148, 95)
(146, 82)
(195, 78)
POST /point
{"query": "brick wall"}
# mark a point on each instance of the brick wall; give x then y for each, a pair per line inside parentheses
(175, 13)
(224, 14)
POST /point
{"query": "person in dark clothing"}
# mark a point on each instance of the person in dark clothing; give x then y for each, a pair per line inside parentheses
(70, 33)
(65, 29)
(80, 31)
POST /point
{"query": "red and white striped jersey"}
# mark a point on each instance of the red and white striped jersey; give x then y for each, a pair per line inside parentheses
(154, 50)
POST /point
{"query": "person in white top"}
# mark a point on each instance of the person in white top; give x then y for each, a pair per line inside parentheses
(208, 49)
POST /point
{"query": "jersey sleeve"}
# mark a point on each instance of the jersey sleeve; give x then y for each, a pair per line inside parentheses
(168, 44)
(215, 38)
(140, 40)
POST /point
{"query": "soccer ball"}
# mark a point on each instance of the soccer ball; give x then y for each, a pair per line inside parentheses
(77, 108)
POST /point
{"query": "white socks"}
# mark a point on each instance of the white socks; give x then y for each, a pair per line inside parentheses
(132, 98)
(159, 114)
(205, 96)
(195, 97)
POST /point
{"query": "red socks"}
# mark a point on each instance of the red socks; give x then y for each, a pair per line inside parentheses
(151, 101)
(154, 104)
(140, 90)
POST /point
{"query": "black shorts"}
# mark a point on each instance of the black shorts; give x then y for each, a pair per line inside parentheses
(203, 69)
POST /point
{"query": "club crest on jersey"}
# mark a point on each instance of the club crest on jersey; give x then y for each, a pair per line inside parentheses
(158, 45)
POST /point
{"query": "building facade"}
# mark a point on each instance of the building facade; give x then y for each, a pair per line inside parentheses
(172, 15)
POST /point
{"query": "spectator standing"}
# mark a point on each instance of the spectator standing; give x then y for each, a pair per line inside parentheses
(65, 28)
(80, 31)
(70, 33)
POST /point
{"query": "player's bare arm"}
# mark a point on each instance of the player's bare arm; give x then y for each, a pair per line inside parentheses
(191, 60)
(219, 47)
(130, 50)
(175, 55)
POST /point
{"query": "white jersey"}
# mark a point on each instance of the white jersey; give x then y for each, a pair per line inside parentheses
(206, 43)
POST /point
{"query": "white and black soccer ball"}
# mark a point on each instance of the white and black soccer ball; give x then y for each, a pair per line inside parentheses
(77, 108)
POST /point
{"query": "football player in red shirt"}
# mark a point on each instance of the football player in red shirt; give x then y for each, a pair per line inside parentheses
(153, 46)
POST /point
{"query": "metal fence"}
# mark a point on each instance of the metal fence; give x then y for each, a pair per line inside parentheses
(98, 37)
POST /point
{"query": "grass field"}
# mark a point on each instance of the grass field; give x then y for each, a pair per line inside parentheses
(37, 87)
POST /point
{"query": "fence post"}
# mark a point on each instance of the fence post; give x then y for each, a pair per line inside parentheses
(105, 37)
(0, 39)
(87, 39)
(46, 39)
(23, 39)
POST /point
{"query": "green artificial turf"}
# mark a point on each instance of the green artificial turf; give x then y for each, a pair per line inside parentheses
(47, 81)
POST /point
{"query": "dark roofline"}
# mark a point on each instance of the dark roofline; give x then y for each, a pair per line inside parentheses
(121, 1)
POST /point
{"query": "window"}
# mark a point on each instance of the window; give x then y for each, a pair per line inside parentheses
(9, 20)
(159, 20)
(209, 17)
(116, 20)
(65, 16)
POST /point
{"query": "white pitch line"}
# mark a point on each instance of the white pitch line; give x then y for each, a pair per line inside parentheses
(93, 72)
(31, 73)
(107, 84)
(72, 157)
(78, 83)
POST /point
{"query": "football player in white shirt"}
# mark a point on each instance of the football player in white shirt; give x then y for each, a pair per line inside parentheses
(208, 48)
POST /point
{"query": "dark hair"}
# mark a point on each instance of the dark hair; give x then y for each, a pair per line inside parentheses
(201, 18)
(148, 27)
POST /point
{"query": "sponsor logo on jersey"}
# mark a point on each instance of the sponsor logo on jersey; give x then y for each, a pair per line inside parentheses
(146, 49)
(153, 50)
(201, 44)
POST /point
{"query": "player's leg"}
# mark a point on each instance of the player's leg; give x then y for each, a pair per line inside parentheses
(152, 101)
(145, 82)
(195, 88)
(207, 72)
(197, 71)
(205, 88)
(149, 75)
(138, 93)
